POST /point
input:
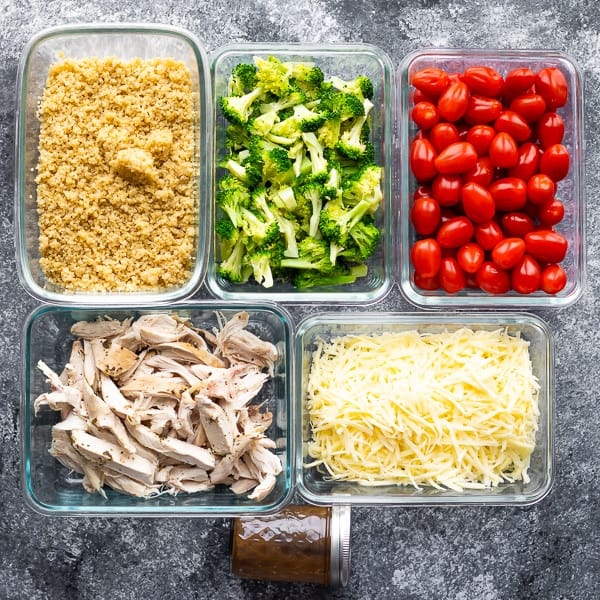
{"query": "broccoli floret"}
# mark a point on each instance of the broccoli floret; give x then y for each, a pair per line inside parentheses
(309, 77)
(280, 160)
(288, 128)
(315, 150)
(329, 133)
(243, 80)
(233, 268)
(260, 205)
(364, 184)
(341, 275)
(236, 137)
(228, 236)
(336, 221)
(260, 262)
(365, 236)
(308, 120)
(339, 105)
(237, 109)
(272, 75)
(313, 191)
(332, 187)
(248, 173)
(283, 198)
(294, 95)
(312, 254)
(256, 229)
(288, 229)
(232, 197)
(351, 141)
(362, 86)
(263, 124)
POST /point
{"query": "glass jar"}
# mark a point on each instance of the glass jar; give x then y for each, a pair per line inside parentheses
(302, 543)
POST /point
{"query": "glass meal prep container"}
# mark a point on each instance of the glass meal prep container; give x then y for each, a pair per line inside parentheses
(313, 482)
(51, 489)
(570, 190)
(125, 41)
(346, 62)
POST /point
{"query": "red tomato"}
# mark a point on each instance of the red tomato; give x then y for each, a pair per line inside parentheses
(452, 277)
(527, 162)
(422, 156)
(509, 193)
(517, 82)
(453, 103)
(425, 115)
(426, 256)
(470, 257)
(481, 137)
(530, 106)
(477, 202)
(483, 80)
(551, 213)
(503, 151)
(446, 189)
(426, 283)
(517, 224)
(419, 96)
(551, 84)
(554, 162)
(513, 123)
(425, 215)
(554, 279)
(482, 173)
(550, 129)
(456, 158)
(540, 189)
(442, 135)
(507, 253)
(546, 245)
(526, 275)
(492, 280)
(455, 232)
(488, 234)
(431, 81)
(482, 110)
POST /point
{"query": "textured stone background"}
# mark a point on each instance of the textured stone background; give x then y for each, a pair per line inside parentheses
(549, 551)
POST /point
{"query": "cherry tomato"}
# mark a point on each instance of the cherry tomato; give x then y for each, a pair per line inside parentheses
(527, 162)
(550, 129)
(425, 115)
(452, 277)
(425, 215)
(517, 224)
(419, 96)
(482, 109)
(503, 151)
(540, 189)
(551, 84)
(487, 235)
(426, 283)
(455, 232)
(442, 135)
(517, 82)
(426, 256)
(482, 173)
(511, 122)
(483, 80)
(546, 245)
(551, 213)
(526, 275)
(492, 280)
(507, 253)
(481, 137)
(554, 162)
(453, 103)
(470, 257)
(530, 106)
(446, 189)
(431, 81)
(477, 202)
(456, 158)
(509, 193)
(554, 279)
(422, 155)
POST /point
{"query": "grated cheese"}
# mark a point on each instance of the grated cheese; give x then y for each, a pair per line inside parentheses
(452, 410)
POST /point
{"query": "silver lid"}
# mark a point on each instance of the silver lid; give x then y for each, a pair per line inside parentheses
(339, 560)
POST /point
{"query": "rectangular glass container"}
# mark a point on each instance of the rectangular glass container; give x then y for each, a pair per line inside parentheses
(346, 62)
(48, 486)
(570, 190)
(315, 488)
(125, 41)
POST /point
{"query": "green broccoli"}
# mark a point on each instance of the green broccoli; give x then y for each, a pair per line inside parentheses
(242, 80)
(233, 268)
(288, 230)
(272, 75)
(313, 191)
(332, 187)
(263, 124)
(232, 196)
(260, 205)
(228, 236)
(308, 120)
(329, 132)
(341, 275)
(248, 173)
(364, 184)
(256, 229)
(362, 86)
(308, 76)
(283, 198)
(237, 137)
(351, 140)
(365, 236)
(237, 109)
(312, 254)
(315, 150)
(336, 221)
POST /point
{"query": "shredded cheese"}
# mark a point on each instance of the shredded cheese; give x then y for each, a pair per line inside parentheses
(452, 410)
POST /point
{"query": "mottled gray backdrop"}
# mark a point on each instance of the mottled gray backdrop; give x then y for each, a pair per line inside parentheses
(550, 551)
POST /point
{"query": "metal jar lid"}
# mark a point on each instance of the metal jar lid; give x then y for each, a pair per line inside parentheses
(339, 569)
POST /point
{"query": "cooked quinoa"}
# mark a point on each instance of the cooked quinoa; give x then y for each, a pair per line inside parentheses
(115, 195)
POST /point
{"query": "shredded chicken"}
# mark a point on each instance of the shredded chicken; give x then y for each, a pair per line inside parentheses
(156, 406)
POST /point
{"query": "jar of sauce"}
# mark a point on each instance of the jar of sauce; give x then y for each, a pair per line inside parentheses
(302, 543)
